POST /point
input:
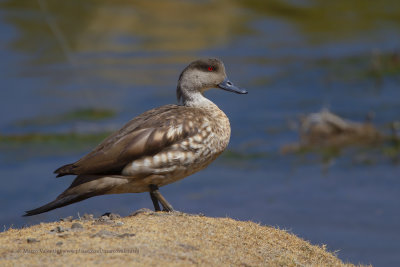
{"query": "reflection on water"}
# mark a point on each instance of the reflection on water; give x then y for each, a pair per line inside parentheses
(121, 26)
(330, 21)
(73, 71)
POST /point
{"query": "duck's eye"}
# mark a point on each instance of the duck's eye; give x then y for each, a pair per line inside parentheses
(210, 68)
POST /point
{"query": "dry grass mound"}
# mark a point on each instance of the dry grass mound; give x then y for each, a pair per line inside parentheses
(148, 238)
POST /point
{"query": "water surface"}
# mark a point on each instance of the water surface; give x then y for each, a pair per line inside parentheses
(74, 71)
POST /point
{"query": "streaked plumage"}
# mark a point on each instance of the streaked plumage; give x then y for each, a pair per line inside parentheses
(158, 147)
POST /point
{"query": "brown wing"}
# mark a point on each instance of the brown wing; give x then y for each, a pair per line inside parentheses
(144, 135)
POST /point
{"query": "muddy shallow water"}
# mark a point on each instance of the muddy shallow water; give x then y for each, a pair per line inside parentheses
(73, 72)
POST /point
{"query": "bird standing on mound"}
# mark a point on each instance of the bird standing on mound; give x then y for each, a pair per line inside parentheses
(159, 147)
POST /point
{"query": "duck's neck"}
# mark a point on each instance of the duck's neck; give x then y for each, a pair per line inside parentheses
(193, 98)
(197, 100)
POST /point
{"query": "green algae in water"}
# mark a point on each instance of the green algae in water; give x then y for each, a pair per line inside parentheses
(87, 114)
(63, 138)
(34, 145)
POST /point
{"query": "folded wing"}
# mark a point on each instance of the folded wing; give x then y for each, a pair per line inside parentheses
(145, 135)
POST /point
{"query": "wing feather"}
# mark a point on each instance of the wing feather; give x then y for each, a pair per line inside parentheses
(145, 135)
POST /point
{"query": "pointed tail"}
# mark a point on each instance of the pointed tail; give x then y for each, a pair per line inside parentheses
(83, 187)
(58, 203)
(65, 170)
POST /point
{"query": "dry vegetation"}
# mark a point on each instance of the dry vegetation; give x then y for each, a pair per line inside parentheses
(158, 239)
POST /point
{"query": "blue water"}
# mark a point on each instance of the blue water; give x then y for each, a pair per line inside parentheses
(127, 57)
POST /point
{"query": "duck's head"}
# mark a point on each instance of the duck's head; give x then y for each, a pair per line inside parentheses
(201, 75)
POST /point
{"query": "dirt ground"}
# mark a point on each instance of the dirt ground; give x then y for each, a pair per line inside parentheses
(148, 238)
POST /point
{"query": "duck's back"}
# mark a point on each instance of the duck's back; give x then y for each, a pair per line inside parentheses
(171, 141)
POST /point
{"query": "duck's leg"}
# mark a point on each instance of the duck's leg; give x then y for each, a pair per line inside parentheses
(156, 197)
(155, 201)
